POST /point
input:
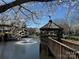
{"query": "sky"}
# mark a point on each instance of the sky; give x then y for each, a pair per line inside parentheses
(57, 14)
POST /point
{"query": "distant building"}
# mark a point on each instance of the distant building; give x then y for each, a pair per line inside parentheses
(33, 31)
(12, 28)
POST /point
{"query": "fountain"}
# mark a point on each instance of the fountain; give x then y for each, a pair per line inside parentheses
(12, 45)
(27, 48)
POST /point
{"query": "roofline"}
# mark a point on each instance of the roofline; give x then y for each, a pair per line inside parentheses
(53, 28)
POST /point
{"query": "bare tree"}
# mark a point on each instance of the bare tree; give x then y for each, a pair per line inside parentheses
(17, 2)
(50, 5)
(7, 6)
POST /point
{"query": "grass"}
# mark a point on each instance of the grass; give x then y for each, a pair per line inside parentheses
(71, 37)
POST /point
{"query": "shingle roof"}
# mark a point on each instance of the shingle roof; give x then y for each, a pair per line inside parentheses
(51, 25)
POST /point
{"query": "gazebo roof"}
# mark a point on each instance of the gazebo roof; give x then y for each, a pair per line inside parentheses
(51, 25)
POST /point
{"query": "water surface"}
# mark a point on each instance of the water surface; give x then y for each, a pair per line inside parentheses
(27, 48)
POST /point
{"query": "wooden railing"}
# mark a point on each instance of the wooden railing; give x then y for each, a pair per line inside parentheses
(71, 44)
(62, 51)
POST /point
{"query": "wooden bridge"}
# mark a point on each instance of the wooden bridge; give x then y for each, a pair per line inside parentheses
(61, 50)
(54, 45)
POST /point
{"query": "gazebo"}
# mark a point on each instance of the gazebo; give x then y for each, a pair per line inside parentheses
(51, 29)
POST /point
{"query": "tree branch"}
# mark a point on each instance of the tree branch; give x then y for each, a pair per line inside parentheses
(5, 7)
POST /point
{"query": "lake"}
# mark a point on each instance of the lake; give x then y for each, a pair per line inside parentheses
(27, 48)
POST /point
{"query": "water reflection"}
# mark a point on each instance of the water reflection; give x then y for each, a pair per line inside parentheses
(25, 49)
